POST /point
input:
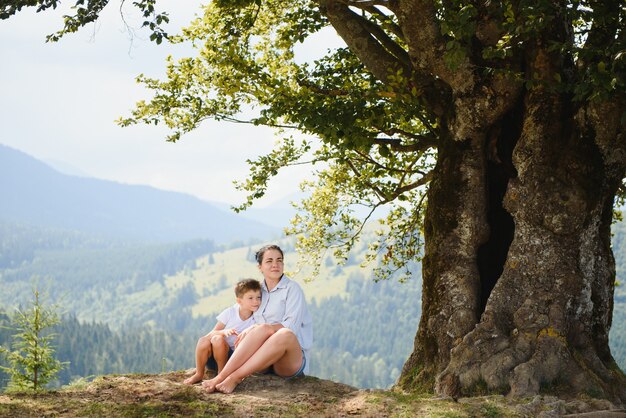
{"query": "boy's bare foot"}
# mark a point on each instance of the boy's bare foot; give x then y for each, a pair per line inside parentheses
(209, 385)
(193, 379)
(228, 385)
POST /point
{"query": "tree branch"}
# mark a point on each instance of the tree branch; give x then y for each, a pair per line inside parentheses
(356, 171)
(408, 187)
(249, 122)
(429, 139)
(385, 198)
(393, 27)
(367, 159)
(356, 34)
(424, 142)
(381, 63)
(378, 31)
(320, 90)
(350, 240)
(365, 3)
(387, 42)
(418, 19)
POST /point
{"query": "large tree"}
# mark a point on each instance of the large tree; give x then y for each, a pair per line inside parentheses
(495, 131)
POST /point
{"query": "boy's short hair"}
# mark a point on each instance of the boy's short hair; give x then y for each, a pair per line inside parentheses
(246, 285)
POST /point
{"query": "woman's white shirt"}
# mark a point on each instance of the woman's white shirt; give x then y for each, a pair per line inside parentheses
(285, 304)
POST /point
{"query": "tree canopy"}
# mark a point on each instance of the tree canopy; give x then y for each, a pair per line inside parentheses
(378, 104)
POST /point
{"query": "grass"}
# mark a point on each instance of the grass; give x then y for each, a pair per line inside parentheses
(94, 408)
(489, 410)
(79, 383)
(407, 397)
(448, 414)
(186, 394)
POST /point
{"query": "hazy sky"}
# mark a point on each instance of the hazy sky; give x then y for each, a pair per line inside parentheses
(58, 103)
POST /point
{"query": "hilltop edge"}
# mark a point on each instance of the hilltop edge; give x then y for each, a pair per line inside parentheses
(271, 396)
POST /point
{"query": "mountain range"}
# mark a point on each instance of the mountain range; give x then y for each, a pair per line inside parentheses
(35, 193)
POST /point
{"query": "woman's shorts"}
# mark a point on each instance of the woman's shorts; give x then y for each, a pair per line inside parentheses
(299, 373)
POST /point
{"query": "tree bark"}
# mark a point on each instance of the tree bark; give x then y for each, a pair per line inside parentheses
(518, 273)
(455, 225)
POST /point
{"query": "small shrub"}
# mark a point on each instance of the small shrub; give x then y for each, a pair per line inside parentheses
(31, 361)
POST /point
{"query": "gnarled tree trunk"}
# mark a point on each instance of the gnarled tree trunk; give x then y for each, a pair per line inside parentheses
(518, 273)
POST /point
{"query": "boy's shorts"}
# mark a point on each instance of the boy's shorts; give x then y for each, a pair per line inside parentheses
(212, 365)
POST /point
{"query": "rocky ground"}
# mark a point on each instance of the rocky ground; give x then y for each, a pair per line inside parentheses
(269, 396)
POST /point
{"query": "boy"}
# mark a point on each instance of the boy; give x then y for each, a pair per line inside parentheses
(217, 346)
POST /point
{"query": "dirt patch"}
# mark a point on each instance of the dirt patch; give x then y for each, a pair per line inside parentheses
(164, 395)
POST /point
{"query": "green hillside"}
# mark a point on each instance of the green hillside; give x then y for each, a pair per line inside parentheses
(112, 282)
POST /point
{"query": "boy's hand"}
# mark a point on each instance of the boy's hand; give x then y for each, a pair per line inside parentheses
(228, 332)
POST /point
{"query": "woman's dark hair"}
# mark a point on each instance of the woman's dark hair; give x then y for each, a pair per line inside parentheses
(259, 254)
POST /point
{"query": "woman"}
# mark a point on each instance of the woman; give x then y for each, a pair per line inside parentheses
(283, 332)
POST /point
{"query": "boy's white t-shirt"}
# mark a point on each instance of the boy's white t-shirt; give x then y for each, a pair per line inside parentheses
(231, 319)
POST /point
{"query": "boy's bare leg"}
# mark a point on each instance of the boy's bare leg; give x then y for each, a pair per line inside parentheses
(282, 351)
(220, 351)
(203, 352)
(248, 346)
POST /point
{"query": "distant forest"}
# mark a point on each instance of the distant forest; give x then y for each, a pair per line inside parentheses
(362, 340)
(122, 320)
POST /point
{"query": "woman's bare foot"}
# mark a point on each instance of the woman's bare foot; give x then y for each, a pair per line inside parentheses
(209, 385)
(193, 379)
(228, 385)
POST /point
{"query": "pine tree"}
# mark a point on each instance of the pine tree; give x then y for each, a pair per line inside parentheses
(32, 363)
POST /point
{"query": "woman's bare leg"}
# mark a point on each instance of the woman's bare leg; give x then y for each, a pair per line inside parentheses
(203, 352)
(220, 351)
(282, 351)
(248, 346)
